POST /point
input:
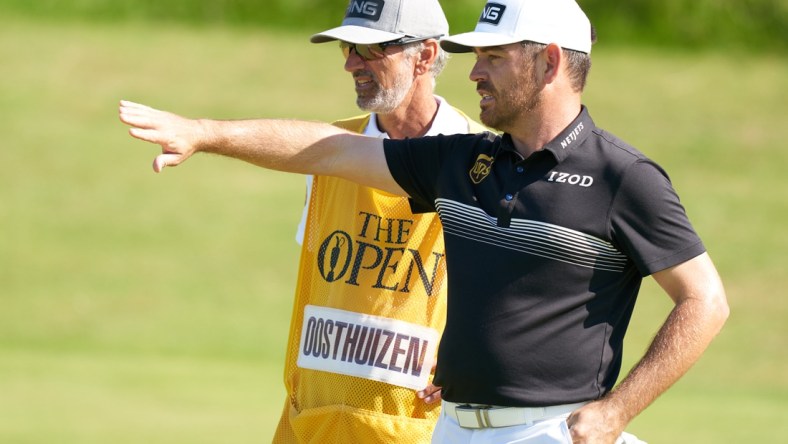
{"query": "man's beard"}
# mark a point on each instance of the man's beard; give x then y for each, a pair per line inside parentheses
(511, 103)
(384, 101)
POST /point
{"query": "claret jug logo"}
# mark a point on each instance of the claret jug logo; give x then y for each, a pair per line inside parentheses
(481, 169)
(492, 13)
(366, 9)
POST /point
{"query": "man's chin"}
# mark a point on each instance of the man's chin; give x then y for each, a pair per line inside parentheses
(374, 107)
(365, 105)
(488, 119)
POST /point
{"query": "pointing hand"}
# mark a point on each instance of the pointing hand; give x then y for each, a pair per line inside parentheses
(178, 136)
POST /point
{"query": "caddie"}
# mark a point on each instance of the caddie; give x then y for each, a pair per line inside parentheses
(370, 302)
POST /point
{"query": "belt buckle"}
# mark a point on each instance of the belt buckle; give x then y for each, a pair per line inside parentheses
(471, 417)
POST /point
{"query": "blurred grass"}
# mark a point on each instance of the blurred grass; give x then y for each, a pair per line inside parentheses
(678, 23)
(155, 308)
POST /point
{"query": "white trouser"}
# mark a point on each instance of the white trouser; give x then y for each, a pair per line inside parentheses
(549, 429)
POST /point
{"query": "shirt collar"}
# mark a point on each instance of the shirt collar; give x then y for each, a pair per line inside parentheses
(372, 129)
(563, 144)
(447, 121)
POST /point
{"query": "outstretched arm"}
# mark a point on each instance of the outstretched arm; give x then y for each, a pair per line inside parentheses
(700, 312)
(285, 145)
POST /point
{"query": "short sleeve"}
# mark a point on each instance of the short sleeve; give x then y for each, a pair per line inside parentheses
(416, 164)
(648, 221)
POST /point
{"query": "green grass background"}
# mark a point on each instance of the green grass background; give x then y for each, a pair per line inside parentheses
(137, 307)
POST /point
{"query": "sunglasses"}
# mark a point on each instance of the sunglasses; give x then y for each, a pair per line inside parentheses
(376, 51)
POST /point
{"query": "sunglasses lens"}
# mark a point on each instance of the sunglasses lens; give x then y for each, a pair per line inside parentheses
(345, 49)
(367, 52)
(374, 51)
(364, 51)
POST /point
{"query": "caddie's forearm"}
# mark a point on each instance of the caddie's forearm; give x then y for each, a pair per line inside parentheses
(283, 145)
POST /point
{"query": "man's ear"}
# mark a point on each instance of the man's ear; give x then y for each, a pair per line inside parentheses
(553, 58)
(427, 56)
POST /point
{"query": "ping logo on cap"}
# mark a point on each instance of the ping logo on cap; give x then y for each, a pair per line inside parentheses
(365, 9)
(492, 13)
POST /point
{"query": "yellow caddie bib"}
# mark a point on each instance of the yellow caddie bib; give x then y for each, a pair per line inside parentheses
(369, 308)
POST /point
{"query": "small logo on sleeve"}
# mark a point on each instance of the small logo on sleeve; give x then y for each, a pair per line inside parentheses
(492, 13)
(481, 169)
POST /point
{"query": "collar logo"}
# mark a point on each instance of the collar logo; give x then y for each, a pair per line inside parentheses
(481, 169)
(365, 9)
(492, 13)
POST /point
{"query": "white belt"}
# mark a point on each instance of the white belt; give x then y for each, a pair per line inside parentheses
(475, 416)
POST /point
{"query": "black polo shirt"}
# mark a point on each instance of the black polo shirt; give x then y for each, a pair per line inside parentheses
(545, 257)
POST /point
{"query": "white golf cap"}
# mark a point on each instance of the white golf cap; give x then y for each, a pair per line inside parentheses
(510, 21)
(377, 21)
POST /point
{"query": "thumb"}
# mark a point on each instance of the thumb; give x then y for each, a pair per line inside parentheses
(165, 160)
